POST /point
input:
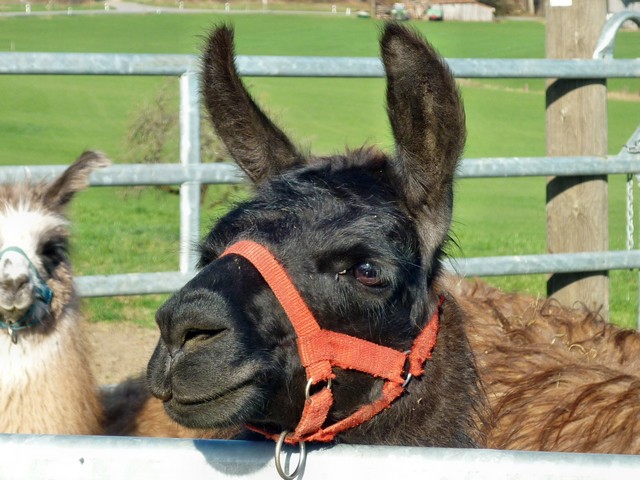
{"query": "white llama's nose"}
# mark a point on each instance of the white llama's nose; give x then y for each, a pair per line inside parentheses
(14, 272)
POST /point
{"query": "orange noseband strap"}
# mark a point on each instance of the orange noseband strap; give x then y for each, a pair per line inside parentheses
(322, 350)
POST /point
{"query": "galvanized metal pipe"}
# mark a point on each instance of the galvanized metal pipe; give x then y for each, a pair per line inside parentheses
(43, 63)
(168, 282)
(545, 263)
(221, 173)
(76, 457)
(119, 175)
(131, 283)
(548, 166)
(189, 155)
(18, 63)
(607, 39)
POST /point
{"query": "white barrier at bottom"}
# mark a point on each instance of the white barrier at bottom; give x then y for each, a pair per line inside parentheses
(122, 458)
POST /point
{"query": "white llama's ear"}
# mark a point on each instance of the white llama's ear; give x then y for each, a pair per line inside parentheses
(257, 145)
(75, 178)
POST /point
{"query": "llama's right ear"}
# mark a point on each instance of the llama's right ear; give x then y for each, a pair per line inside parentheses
(74, 179)
(259, 147)
(428, 122)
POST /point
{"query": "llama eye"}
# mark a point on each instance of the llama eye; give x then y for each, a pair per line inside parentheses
(367, 274)
(53, 252)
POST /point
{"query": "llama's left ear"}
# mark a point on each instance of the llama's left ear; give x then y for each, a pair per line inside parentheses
(74, 179)
(428, 123)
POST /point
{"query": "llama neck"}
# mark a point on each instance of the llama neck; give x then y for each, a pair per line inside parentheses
(442, 407)
(47, 385)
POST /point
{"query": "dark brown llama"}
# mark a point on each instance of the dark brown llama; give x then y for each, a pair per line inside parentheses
(360, 235)
(332, 248)
(557, 378)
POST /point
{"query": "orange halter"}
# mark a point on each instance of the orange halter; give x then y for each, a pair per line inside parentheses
(321, 350)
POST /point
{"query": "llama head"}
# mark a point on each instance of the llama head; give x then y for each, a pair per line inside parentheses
(359, 234)
(33, 245)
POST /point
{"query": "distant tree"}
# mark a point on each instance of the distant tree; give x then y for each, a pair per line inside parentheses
(154, 136)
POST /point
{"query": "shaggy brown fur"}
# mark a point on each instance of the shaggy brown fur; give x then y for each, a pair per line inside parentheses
(557, 379)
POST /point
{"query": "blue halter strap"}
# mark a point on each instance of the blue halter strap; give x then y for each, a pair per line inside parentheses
(41, 291)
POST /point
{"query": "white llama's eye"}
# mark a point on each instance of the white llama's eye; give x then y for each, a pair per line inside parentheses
(53, 252)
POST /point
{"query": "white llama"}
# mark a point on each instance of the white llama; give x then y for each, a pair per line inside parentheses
(46, 385)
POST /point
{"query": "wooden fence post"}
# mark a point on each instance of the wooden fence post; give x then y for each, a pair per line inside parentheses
(577, 125)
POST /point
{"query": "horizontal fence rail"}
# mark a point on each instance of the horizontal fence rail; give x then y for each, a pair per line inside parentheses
(17, 63)
(131, 283)
(545, 263)
(223, 173)
(123, 458)
(168, 282)
(135, 174)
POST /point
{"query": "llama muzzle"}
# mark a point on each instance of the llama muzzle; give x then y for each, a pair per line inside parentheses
(23, 292)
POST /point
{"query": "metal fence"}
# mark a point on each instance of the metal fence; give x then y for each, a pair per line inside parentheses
(190, 173)
(69, 457)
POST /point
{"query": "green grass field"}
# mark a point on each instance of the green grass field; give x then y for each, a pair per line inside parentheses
(50, 120)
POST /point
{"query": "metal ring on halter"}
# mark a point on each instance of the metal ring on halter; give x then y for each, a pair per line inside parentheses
(299, 468)
(409, 376)
(307, 389)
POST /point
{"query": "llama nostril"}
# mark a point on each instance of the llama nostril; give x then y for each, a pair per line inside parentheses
(159, 373)
(14, 283)
(20, 281)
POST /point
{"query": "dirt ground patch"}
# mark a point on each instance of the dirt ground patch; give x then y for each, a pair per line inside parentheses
(120, 350)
